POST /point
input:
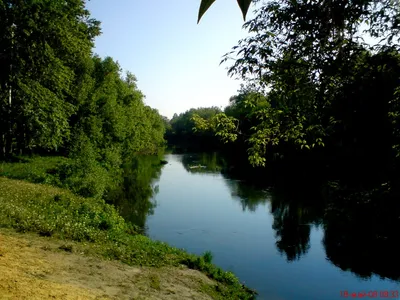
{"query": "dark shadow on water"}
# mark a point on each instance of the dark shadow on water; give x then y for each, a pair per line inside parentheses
(361, 228)
(249, 197)
(362, 232)
(295, 211)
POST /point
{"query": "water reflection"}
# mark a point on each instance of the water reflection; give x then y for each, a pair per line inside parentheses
(295, 211)
(203, 163)
(360, 233)
(292, 218)
(134, 198)
(249, 197)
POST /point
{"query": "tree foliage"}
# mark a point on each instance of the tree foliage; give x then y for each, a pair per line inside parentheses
(56, 95)
(182, 126)
(321, 83)
(41, 44)
(112, 124)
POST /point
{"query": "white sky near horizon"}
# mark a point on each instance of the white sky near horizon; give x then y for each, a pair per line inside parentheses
(176, 60)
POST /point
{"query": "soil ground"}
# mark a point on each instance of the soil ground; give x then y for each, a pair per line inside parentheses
(33, 267)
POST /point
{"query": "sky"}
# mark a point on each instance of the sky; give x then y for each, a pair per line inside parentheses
(176, 60)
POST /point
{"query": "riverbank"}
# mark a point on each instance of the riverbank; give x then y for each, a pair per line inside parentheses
(35, 267)
(96, 229)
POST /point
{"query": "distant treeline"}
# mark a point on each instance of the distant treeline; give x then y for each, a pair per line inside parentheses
(181, 131)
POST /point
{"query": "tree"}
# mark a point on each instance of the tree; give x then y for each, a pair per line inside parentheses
(301, 56)
(55, 95)
(182, 132)
(41, 46)
(111, 124)
(182, 125)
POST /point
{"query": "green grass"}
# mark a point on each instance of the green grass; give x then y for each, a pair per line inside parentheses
(56, 212)
(36, 169)
(86, 179)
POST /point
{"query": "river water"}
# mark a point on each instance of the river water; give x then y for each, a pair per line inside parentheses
(275, 245)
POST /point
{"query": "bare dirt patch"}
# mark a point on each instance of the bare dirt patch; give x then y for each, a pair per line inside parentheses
(33, 267)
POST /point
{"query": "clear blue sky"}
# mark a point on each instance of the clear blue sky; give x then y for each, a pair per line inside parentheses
(175, 60)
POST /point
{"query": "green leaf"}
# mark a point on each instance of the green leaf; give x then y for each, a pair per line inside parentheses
(204, 6)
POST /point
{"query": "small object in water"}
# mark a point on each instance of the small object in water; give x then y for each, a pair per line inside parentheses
(196, 167)
(163, 162)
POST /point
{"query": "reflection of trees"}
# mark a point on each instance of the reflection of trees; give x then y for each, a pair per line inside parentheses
(362, 232)
(203, 162)
(248, 196)
(360, 228)
(213, 163)
(293, 238)
(133, 197)
(293, 217)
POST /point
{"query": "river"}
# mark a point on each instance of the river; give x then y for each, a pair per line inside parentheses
(283, 248)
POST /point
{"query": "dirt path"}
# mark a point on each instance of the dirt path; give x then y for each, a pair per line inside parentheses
(36, 268)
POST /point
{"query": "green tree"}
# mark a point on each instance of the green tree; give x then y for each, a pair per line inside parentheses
(41, 45)
(111, 124)
(182, 125)
(301, 57)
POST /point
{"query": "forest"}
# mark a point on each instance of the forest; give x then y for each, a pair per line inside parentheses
(60, 98)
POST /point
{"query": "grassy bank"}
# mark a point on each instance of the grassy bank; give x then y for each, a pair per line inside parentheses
(34, 169)
(57, 212)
